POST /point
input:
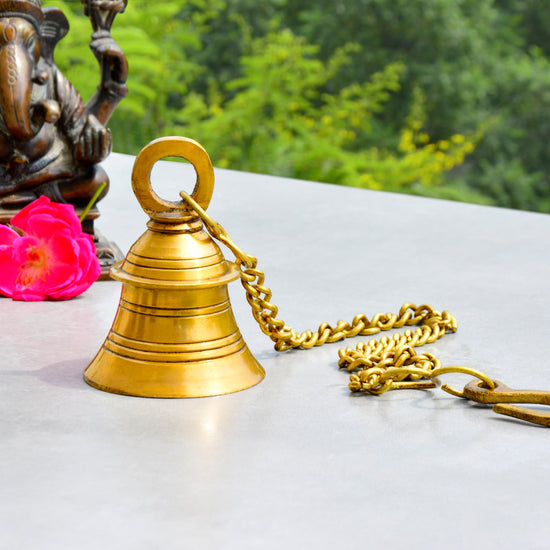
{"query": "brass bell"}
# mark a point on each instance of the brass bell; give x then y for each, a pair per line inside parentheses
(174, 334)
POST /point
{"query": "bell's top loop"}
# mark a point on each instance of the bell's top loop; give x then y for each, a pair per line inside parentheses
(157, 208)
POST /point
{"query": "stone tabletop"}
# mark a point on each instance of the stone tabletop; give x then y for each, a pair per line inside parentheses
(296, 461)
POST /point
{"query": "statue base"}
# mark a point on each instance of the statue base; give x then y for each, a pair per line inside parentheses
(108, 253)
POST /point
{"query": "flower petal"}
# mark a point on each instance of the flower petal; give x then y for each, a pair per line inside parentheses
(7, 235)
(88, 270)
(44, 207)
(8, 270)
(44, 226)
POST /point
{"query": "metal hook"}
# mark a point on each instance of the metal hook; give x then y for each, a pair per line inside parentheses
(501, 394)
(483, 378)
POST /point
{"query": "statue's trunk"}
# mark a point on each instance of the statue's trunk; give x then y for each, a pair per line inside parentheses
(15, 91)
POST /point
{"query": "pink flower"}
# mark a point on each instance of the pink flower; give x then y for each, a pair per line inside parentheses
(52, 260)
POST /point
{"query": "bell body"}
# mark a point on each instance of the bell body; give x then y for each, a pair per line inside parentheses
(174, 334)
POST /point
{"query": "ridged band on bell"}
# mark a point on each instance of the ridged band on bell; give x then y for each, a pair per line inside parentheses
(28, 9)
(174, 334)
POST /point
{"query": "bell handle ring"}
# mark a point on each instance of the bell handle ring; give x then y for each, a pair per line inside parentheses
(165, 211)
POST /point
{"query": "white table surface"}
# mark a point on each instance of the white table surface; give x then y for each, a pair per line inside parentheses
(297, 461)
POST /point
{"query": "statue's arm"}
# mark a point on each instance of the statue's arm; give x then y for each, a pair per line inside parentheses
(84, 124)
(114, 72)
(71, 121)
(90, 141)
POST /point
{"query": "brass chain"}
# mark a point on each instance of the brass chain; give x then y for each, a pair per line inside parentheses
(383, 364)
(379, 365)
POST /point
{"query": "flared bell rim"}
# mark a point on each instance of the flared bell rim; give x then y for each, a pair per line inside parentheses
(115, 374)
(154, 395)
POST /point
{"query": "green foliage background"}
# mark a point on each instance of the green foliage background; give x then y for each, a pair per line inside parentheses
(446, 98)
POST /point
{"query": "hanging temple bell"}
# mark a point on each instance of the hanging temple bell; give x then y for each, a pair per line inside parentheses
(174, 334)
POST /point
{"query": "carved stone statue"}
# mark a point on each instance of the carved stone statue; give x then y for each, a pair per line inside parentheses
(50, 141)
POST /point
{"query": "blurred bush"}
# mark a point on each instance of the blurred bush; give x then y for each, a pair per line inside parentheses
(443, 98)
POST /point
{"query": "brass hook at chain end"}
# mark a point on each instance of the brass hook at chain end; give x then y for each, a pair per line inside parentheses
(482, 378)
(501, 396)
(484, 390)
(523, 413)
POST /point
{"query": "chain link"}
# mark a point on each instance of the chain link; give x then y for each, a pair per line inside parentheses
(381, 364)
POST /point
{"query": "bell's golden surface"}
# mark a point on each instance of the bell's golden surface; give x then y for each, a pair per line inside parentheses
(174, 334)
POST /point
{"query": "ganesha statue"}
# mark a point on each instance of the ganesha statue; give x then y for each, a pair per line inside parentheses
(51, 142)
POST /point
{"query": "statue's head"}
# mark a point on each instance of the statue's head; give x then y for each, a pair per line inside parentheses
(31, 10)
(21, 49)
